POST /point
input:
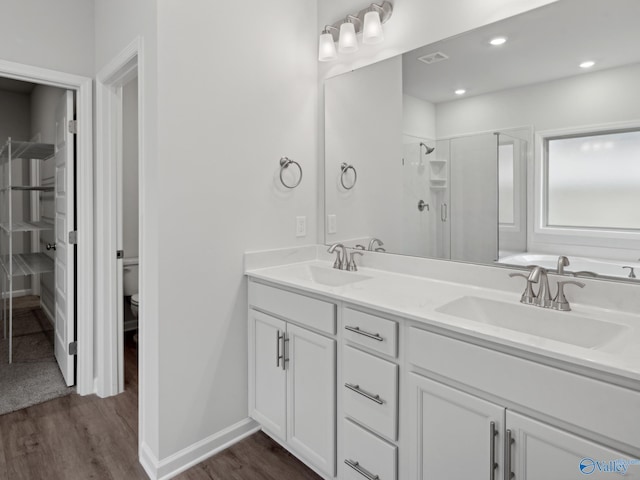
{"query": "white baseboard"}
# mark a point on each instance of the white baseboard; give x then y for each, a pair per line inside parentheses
(18, 293)
(196, 453)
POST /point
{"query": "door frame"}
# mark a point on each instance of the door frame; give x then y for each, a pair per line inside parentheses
(84, 205)
(127, 65)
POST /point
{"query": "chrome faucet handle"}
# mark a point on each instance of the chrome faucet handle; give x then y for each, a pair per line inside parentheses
(632, 273)
(380, 249)
(543, 298)
(562, 262)
(560, 301)
(340, 259)
(583, 273)
(360, 247)
(527, 296)
(351, 266)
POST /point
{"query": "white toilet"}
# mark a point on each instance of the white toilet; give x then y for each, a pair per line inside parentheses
(130, 287)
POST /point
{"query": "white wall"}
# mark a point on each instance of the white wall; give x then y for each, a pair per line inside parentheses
(587, 99)
(237, 90)
(44, 100)
(418, 118)
(55, 35)
(364, 129)
(15, 120)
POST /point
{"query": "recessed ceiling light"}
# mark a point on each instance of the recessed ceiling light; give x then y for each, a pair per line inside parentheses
(588, 64)
(498, 41)
(460, 91)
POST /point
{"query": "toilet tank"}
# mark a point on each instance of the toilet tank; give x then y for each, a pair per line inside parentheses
(130, 276)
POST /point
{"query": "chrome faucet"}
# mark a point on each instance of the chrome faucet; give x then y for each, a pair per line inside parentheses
(372, 245)
(527, 296)
(560, 302)
(351, 265)
(562, 262)
(632, 273)
(543, 298)
(341, 260)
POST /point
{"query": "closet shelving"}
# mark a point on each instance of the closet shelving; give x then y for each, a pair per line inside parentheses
(18, 264)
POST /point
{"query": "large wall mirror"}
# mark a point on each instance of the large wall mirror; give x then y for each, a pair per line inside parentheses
(507, 145)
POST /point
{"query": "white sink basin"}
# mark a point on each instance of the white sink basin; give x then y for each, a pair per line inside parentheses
(565, 327)
(330, 277)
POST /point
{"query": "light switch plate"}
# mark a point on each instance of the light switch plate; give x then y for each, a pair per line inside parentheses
(301, 226)
(332, 224)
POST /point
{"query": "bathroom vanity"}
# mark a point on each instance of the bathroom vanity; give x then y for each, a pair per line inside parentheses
(383, 374)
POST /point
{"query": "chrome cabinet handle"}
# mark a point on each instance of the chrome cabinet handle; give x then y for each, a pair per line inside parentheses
(357, 330)
(51, 246)
(278, 356)
(370, 396)
(365, 473)
(493, 465)
(284, 351)
(508, 441)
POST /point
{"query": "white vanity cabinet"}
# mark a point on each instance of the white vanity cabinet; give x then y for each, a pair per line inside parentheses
(460, 435)
(292, 372)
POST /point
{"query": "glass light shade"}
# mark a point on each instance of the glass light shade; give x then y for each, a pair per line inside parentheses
(348, 42)
(326, 48)
(372, 31)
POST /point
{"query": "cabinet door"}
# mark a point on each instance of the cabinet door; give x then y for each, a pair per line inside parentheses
(311, 422)
(454, 436)
(267, 377)
(542, 452)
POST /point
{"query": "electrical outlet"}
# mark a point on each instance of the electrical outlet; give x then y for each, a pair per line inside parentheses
(332, 224)
(301, 226)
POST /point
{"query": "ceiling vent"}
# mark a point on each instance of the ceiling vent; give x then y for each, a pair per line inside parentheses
(433, 58)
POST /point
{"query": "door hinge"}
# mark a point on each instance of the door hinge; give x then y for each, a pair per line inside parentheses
(73, 237)
(73, 348)
(120, 254)
(73, 126)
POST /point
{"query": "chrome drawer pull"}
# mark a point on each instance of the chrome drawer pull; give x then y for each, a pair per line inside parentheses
(356, 388)
(357, 330)
(365, 473)
(508, 441)
(493, 433)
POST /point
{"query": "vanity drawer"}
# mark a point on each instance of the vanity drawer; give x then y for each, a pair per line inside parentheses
(367, 456)
(307, 311)
(374, 332)
(370, 391)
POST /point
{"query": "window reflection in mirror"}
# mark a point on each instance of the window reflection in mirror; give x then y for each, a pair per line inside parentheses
(593, 181)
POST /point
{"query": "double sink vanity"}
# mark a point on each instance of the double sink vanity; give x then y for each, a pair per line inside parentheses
(423, 369)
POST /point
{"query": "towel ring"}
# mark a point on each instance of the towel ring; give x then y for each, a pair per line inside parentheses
(284, 164)
(344, 167)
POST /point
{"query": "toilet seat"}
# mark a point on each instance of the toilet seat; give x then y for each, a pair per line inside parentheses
(135, 299)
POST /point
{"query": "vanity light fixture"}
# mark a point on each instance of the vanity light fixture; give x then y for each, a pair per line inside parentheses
(326, 46)
(367, 22)
(498, 41)
(587, 64)
(460, 91)
(348, 42)
(372, 33)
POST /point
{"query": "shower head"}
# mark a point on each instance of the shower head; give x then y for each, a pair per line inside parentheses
(427, 148)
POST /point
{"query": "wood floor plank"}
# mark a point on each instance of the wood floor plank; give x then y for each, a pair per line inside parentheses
(81, 438)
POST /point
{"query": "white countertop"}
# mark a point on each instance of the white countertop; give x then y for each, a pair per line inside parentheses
(417, 298)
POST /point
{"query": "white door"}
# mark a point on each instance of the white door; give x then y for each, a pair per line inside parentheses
(311, 423)
(267, 373)
(455, 432)
(542, 452)
(64, 223)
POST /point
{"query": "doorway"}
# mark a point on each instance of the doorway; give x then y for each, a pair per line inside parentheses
(44, 197)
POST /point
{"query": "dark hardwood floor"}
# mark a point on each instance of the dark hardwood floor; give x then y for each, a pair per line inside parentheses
(83, 438)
